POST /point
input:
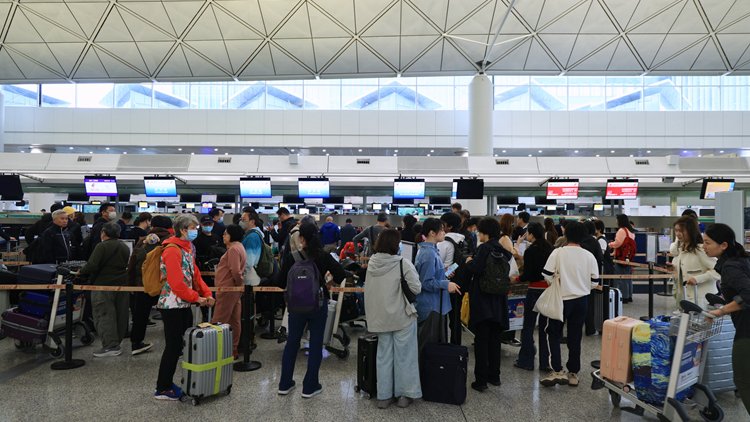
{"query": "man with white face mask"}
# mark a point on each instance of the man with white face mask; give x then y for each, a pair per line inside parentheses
(108, 215)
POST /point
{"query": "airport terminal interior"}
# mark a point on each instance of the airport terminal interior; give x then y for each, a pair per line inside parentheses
(575, 110)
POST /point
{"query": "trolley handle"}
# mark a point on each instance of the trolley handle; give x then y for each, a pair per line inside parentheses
(692, 307)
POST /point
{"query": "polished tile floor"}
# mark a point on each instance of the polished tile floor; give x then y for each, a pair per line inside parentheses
(121, 388)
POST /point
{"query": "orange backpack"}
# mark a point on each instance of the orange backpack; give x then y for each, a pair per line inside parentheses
(152, 281)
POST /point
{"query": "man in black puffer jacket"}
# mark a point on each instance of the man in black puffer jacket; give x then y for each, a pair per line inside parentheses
(57, 246)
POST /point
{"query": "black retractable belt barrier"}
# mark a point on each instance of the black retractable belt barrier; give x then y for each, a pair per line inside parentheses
(69, 362)
(651, 293)
(247, 364)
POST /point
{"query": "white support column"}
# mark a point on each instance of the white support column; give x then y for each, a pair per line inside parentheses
(2, 122)
(480, 116)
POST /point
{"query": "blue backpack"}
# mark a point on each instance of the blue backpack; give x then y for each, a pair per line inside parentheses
(304, 294)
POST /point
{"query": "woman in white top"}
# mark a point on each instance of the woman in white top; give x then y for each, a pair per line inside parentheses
(577, 272)
(691, 264)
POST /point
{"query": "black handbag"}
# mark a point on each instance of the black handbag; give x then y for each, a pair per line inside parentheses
(410, 296)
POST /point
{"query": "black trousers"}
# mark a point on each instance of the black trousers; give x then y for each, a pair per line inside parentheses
(176, 321)
(454, 318)
(140, 309)
(487, 351)
(590, 317)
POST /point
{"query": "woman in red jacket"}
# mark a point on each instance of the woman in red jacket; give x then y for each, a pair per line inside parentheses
(184, 286)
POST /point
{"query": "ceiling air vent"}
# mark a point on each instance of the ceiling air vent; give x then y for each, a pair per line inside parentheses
(225, 160)
(641, 162)
(363, 161)
(502, 162)
(84, 159)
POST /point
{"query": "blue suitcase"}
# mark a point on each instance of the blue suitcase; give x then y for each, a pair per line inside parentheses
(45, 310)
(38, 274)
(42, 297)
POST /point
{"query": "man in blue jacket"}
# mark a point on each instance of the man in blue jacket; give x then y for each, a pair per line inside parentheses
(330, 234)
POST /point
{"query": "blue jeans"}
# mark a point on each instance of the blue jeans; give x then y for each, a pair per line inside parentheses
(574, 314)
(528, 350)
(625, 285)
(316, 322)
(397, 364)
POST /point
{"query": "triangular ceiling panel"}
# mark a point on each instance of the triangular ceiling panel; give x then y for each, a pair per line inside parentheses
(458, 10)
(30, 69)
(346, 63)
(745, 57)
(232, 29)
(597, 21)
(216, 51)
(478, 23)
(436, 10)
(239, 51)
(115, 68)
(512, 24)
(453, 60)
(153, 53)
(569, 23)
(716, 10)
(128, 51)
(741, 27)
(341, 10)
(88, 15)
(585, 44)
(622, 11)
(734, 46)
(206, 28)
(200, 67)
(515, 60)
(659, 23)
(91, 67)
(21, 30)
(181, 13)
(284, 65)
(153, 12)
(367, 10)
(684, 60)
(412, 47)
(388, 47)
(503, 44)
(553, 9)
(275, 11)
(561, 45)
(369, 63)
(709, 59)
(40, 53)
(114, 29)
(739, 8)
(261, 66)
(538, 59)
(323, 27)
(57, 12)
(530, 11)
(689, 21)
(326, 48)
(623, 59)
(141, 31)
(599, 61)
(673, 44)
(67, 54)
(429, 62)
(246, 11)
(387, 25)
(475, 46)
(8, 68)
(176, 66)
(413, 24)
(4, 10)
(647, 46)
(302, 49)
(298, 26)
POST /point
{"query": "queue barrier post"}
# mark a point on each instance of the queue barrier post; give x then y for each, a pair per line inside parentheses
(271, 334)
(69, 362)
(247, 327)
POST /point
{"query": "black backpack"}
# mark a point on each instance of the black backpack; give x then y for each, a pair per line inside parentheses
(608, 264)
(461, 251)
(495, 279)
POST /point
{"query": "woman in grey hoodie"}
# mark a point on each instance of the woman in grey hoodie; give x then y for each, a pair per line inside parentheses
(391, 315)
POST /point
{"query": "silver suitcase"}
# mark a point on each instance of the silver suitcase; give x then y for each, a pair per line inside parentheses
(717, 373)
(207, 355)
(615, 307)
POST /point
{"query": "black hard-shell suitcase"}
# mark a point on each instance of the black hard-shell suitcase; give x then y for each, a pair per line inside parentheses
(367, 350)
(38, 274)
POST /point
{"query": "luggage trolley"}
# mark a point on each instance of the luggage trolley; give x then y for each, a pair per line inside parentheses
(693, 333)
(337, 327)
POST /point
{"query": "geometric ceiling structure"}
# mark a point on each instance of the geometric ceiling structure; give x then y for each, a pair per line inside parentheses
(218, 40)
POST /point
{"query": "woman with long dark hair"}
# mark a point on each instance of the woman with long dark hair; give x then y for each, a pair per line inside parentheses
(692, 267)
(535, 258)
(624, 284)
(550, 233)
(312, 249)
(734, 267)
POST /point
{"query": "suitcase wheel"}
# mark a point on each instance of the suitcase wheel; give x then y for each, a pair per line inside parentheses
(356, 389)
(196, 401)
(58, 352)
(20, 345)
(183, 398)
(229, 391)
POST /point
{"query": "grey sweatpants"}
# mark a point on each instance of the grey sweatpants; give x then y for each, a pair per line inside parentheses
(110, 311)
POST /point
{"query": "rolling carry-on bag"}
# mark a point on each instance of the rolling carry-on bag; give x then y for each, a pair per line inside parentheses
(717, 373)
(615, 307)
(207, 361)
(367, 372)
(616, 360)
(23, 327)
(328, 333)
(38, 274)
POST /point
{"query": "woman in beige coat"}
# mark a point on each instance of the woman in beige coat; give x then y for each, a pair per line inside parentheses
(691, 264)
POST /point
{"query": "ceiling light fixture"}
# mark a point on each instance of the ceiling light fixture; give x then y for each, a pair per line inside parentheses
(179, 149)
(216, 149)
(192, 153)
(324, 150)
(613, 151)
(251, 150)
(226, 153)
(503, 151)
(143, 149)
(631, 155)
(684, 152)
(529, 155)
(721, 152)
(104, 148)
(495, 155)
(395, 155)
(292, 150)
(327, 155)
(648, 152)
(540, 151)
(432, 150)
(124, 152)
(597, 155)
(699, 155)
(576, 152)
(360, 150)
(395, 150)
(71, 147)
(91, 152)
(23, 152)
(429, 155)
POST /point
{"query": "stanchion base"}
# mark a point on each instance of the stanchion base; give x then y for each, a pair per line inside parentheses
(71, 364)
(596, 364)
(645, 318)
(663, 294)
(247, 366)
(269, 336)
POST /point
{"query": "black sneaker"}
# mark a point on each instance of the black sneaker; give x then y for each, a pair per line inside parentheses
(141, 347)
(150, 323)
